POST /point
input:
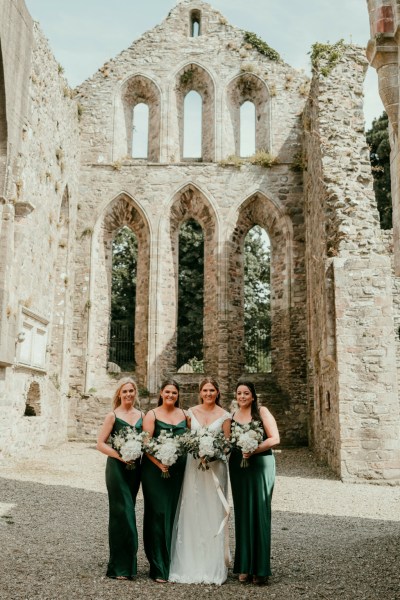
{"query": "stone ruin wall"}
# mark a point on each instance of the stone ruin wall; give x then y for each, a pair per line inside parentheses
(58, 243)
(225, 200)
(41, 198)
(352, 353)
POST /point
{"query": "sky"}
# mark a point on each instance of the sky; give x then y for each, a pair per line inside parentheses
(84, 34)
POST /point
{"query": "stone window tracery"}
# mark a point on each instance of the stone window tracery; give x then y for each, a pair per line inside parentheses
(247, 89)
(139, 90)
(120, 213)
(259, 210)
(191, 205)
(193, 78)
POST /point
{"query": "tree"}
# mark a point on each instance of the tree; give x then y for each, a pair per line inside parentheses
(123, 299)
(190, 294)
(378, 141)
(257, 304)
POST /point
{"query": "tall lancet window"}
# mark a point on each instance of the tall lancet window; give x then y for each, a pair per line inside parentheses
(257, 301)
(192, 125)
(123, 300)
(195, 23)
(247, 129)
(140, 133)
(190, 296)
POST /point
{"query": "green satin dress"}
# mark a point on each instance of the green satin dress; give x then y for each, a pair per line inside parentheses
(252, 489)
(122, 486)
(161, 497)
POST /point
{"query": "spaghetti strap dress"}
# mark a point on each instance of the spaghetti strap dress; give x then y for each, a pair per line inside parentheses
(200, 545)
(161, 497)
(122, 486)
(252, 489)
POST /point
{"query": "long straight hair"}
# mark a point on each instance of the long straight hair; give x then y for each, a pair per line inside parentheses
(164, 385)
(254, 408)
(116, 401)
(213, 382)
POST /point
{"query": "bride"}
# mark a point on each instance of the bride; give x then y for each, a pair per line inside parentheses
(200, 551)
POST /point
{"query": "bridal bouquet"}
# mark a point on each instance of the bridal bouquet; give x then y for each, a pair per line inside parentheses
(206, 445)
(166, 448)
(129, 445)
(247, 437)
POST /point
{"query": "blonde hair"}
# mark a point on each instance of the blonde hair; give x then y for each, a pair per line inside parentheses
(116, 401)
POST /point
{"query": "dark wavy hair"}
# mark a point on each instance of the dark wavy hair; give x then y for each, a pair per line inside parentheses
(213, 382)
(164, 385)
(254, 409)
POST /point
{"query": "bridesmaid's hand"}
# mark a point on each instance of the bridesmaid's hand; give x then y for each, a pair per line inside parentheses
(247, 454)
(163, 468)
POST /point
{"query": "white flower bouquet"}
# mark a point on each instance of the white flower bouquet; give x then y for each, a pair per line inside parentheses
(247, 437)
(166, 448)
(129, 445)
(206, 445)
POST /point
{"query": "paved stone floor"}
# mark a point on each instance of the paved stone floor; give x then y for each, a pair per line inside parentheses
(330, 540)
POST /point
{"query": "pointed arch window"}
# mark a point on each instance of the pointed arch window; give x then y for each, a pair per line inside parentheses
(140, 133)
(192, 125)
(257, 305)
(247, 129)
(123, 299)
(190, 296)
(195, 23)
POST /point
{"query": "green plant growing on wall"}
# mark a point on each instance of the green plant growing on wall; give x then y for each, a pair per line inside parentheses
(262, 158)
(299, 163)
(325, 57)
(261, 46)
(232, 161)
(196, 364)
(187, 77)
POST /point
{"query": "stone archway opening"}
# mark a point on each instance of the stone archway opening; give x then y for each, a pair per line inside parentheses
(190, 296)
(257, 301)
(122, 214)
(121, 352)
(32, 403)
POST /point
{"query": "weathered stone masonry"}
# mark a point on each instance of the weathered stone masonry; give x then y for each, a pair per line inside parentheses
(72, 184)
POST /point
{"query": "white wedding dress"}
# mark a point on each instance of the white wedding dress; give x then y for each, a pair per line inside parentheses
(200, 549)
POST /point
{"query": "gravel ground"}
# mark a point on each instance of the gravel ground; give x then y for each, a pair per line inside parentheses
(330, 540)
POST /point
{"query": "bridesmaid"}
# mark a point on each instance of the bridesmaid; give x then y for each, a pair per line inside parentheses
(122, 483)
(161, 495)
(252, 488)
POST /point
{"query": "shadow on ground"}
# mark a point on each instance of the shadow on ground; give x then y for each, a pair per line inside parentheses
(54, 547)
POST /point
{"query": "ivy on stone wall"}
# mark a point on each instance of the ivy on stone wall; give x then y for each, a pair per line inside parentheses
(325, 57)
(261, 46)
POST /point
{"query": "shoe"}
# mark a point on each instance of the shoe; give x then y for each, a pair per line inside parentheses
(161, 580)
(260, 580)
(243, 578)
(122, 578)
